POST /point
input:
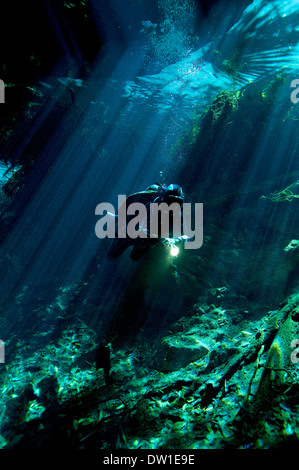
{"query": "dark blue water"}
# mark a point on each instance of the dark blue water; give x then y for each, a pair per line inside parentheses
(192, 93)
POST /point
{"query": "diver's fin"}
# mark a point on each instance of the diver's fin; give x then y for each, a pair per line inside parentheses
(266, 40)
(142, 247)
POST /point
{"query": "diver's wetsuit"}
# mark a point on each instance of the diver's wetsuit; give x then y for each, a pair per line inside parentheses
(156, 193)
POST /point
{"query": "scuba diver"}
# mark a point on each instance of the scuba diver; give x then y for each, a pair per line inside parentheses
(156, 193)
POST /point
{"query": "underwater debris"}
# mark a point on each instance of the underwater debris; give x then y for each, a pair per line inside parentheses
(286, 194)
(209, 403)
(178, 353)
(102, 360)
(275, 381)
(68, 81)
(218, 292)
(293, 245)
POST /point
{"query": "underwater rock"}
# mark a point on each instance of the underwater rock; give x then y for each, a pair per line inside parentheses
(48, 391)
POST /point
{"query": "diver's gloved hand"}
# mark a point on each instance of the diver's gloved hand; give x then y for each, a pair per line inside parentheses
(156, 193)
